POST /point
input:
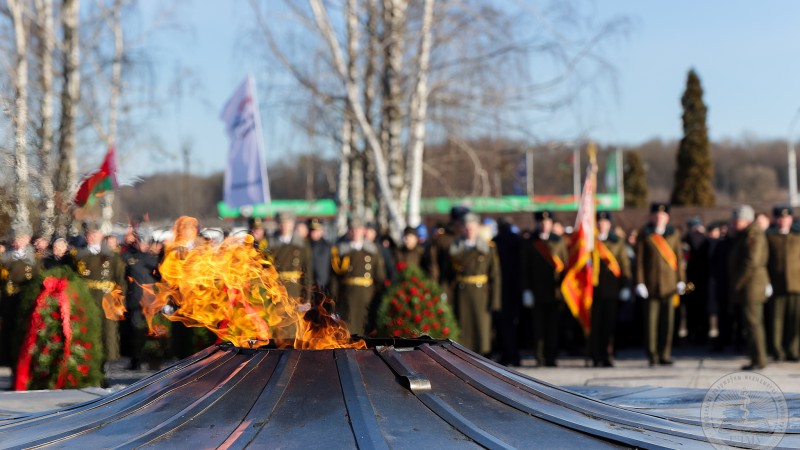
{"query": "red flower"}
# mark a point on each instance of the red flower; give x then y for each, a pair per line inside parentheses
(408, 299)
(445, 331)
(396, 332)
(404, 284)
(87, 357)
(55, 315)
(414, 279)
(414, 291)
(435, 325)
(83, 329)
(401, 266)
(57, 338)
(401, 292)
(406, 331)
(429, 304)
(417, 318)
(46, 351)
(439, 311)
(408, 313)
(426, 328)
(399, 321)
(436, 299)
(87, 345)
(84, 370)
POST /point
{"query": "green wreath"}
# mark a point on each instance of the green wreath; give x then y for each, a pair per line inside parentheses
(413, 306)
(60, 346)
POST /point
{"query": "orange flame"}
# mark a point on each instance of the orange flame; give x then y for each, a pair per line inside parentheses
(232, 290)
(114, 304)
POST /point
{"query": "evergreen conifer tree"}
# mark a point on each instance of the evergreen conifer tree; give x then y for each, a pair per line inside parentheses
(695, 172)
(634, 181)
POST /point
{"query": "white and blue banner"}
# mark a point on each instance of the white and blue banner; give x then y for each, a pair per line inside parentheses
(245, 175)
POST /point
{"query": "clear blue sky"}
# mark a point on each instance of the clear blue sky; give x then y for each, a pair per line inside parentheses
(747, 55)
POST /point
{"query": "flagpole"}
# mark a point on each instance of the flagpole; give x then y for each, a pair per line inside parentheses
(576, 174)
(620, 180)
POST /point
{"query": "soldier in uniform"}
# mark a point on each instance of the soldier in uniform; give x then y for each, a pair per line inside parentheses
(542, 260)
(103, 270)
(784, 276)
(749, 279)
(507, 321)
(357, 277)
(660, 276)
(59, 255)
(612, 285)
(410, 252)
(478, 285)
(292, 258)
(256, 229)
(18, 266)
(442, 270)
(141, 268)
(320, 254)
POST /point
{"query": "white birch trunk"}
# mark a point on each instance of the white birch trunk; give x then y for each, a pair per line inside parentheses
(396, 220)
(356, 165)
(419, 110)
(371, 65)
(20, 116)
(394, 23)
(115, 23)
(44, 17)
(67, 163)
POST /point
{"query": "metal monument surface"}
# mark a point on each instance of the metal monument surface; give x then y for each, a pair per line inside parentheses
(394, 394)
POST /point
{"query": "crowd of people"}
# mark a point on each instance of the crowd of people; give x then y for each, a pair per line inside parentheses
(724, 284)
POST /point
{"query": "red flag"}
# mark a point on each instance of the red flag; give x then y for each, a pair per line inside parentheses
(578, 285)
(104, 179)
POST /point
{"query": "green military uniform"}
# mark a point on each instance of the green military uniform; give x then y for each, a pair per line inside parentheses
(410, 257)
(103, 271)
(292, 260)
(542, 262)
(784, 274)
(659, 266)
(749, 279)
(357, 278)
(17, 269)
(441, 266)
(614, 275)
(477, 291)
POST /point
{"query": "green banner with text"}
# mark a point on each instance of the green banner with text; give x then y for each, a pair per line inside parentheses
(436, 205)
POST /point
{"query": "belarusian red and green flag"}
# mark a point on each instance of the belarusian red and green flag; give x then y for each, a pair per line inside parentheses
(94, 185)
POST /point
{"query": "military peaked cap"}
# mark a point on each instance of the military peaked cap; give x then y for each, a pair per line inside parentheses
(603, 215)
(782, 211)
(659, 207)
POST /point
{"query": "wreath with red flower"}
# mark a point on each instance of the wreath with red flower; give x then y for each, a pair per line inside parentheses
(413, 306)
(60, 344)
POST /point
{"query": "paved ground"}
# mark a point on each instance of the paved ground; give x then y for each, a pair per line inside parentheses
(692, 369)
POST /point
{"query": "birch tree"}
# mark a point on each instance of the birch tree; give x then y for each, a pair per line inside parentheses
(44, 148)
(419, 111)
(454, 68)
(114, 19)
(70, 96)
(20, 114)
